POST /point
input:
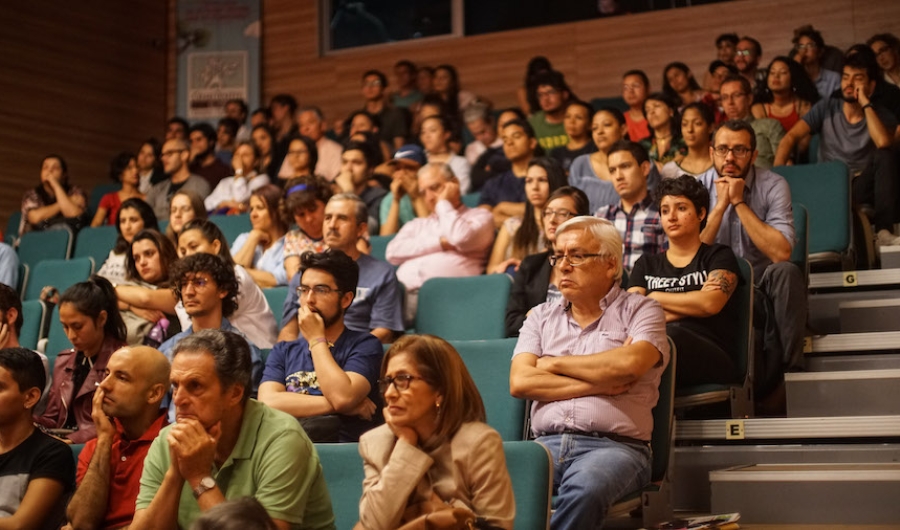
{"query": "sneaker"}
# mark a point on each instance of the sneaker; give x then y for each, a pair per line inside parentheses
(885, 238)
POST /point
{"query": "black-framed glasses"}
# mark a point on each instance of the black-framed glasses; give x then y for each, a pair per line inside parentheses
(320, 290)
(574, 260)
(745, 53)
(740, 151)
(400, 382)
(558, 215)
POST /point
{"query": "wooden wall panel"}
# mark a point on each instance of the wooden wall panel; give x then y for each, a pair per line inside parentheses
(592, 54)
(81, 80)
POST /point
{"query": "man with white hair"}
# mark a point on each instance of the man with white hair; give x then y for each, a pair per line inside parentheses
(591, 363)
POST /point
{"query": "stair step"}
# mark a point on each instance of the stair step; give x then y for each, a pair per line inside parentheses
(890, 257)
(866, 316)
(809, 493)
(692, 464)
(824, 307)
(856, 342)
(837, 427)
(844, 393)
(854, 279)
(862, 361)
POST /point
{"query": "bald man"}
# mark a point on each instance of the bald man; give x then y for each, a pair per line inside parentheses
(128, 418)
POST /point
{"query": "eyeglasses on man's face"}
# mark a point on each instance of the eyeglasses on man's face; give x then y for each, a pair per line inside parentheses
(740, 151)
(574, 260)
(400, 382)
(319, 290)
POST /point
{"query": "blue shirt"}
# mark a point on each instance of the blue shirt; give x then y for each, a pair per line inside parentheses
(827, 83)
(255, 357)
(291, 365)
(768, 195)
(9, 266)
(601, 192)
(271, 261)
(377, 304)
(505, 187)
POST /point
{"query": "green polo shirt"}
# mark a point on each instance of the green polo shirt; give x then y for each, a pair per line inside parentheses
(273, 461)
(549, 135)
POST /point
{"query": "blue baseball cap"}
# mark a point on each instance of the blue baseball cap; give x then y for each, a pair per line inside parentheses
(410, 152)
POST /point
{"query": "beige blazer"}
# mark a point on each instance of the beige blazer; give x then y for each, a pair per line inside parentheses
(469, 470)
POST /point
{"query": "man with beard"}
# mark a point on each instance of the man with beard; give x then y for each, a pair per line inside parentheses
(553, 94)
(327, 377)
(377, 306)
(736, 98)
(810, 52)
(175, 156)
(203, 155)
(128, 418)
(859, 133)
(751, 212)
(746, 58)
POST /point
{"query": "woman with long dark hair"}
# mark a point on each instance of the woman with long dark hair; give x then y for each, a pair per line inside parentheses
(261, 250)
(90, 316)
(679, 84)
(665, 142)
(134, 215)
(122, 169)
(145, 297)
(54, 201)
(697, 124)
(789, 93)
(521, 236)
(590, 173)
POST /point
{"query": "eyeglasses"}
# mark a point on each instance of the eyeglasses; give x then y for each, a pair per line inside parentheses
(745, 53)
(575, 260)
(198, 283)
(882, 50)
(740, 151)
(400, 382)
(172, 152)
(809, 46)
(558, 215)
(320, 290)
(547, 93)
(372, 84)
(632, 88)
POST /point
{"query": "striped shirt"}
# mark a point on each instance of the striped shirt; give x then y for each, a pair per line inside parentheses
(641, 230)
(551, 330)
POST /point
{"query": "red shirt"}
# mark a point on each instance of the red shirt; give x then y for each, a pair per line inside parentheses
(126, 465)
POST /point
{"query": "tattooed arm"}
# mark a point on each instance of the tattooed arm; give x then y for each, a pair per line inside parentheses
(708, 301)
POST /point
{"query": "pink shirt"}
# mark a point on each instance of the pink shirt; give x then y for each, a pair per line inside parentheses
(417, 247)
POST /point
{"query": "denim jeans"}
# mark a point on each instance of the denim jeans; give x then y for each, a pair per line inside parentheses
(590, 475)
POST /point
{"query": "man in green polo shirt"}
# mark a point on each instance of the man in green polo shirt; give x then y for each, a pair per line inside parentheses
(226, 446)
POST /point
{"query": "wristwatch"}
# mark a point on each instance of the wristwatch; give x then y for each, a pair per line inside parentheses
(206, 483)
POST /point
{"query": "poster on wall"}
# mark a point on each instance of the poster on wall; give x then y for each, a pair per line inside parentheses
(218, 56)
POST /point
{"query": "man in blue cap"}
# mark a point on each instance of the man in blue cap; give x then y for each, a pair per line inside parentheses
(404, 203)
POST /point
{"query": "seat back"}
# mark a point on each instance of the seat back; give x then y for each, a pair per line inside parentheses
(232, 225)
(471, 308)
(98, 192)
(531, 472)
(46, 244)
(825, 191)
(472, 199)
(743, 352)
(33, 314)
(343, 469)
(488, 362)
(275, 296)
(800, 253)
(95, 243)
(664, 420)
(615, 102)
(12, 227)
(24, 273)
(59, 273)
(379, 246)
(57, 340)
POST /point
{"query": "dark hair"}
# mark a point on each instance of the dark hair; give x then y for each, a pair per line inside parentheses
(25, 367)
(9, 299)
(207, 130)
(552, 78)
(310, 147)
(582, 203)
(727, 37)
(443, 369)
(703, 109)
(411, 66)
(738, 78)
(231, 124)
(42, 193)
(801, 85)
(667, 88)
(271, 195)
(240, 103)
(211, 232)
(268, 131)
(93, 296)
(452, 98)
(370, 139)
(197, 206)
(575, 102)
(639, 73)
(340, 266)
(366, 148)
(119, 164)
(167, 255)
(862, 57)
(810, 33)
(376, 123)
(614, 112)
(525, 240)
(144, 210)
(377, 73)
(253, 147)
(222, 273)
(637, 150)
(230, 352)
(245, 513)
(522, 124)
(738, 126)
(264, 111)
(755, 43)
(285, 100)
(299, 199)
(674, 123)
(888, 38)
(180, 121)
(715, 65)
(685, 186)
(536, 66)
